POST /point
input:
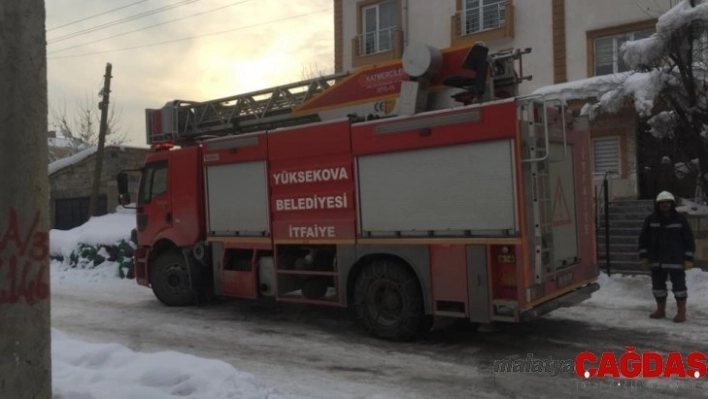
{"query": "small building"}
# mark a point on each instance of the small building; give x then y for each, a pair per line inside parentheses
(71, 183)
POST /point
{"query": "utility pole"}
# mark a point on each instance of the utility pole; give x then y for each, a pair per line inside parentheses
(103, 129)
(25, 335)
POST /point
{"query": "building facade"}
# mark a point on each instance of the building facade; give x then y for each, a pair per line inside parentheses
(570, 41)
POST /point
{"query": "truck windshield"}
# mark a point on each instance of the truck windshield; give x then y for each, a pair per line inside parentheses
(153, 182)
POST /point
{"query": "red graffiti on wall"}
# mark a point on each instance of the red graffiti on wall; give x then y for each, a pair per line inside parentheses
(30, 251)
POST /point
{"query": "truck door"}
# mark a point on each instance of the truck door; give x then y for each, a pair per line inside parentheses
(154, 208)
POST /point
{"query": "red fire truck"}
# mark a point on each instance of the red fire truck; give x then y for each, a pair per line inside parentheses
(424, 187)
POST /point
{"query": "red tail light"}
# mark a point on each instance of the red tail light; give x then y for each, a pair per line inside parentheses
(504, 271)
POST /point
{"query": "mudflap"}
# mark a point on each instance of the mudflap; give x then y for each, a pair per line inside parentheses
(568, 300)
(197, 280)
(140, 273)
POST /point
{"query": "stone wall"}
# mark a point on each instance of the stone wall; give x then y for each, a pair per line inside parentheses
(76, 181)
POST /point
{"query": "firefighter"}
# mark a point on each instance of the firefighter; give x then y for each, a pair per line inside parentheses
(666, 246)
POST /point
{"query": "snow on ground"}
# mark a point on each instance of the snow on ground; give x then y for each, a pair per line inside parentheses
(105, 370)
(82, 370)
(626, 301)
(107, 230)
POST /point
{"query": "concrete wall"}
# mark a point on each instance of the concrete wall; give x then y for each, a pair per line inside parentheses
(76, 181)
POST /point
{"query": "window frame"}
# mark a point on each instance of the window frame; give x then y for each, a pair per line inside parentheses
(378, 31)
(618, 170)
(465, 13)
(592, 35)
(145, 192)
(616, 52)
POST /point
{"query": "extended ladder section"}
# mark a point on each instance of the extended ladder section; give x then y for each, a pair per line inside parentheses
(537, 134)
(181, 122)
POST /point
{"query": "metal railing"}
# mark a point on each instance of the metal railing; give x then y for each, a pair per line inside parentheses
(479, 19)
(377, 41)
(602, 214)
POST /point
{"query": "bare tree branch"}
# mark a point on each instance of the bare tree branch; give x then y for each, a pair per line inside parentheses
(80, 131)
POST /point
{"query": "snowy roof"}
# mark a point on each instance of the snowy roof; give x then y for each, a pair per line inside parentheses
(645, 52)
(63, 163)
(60, 142)
(584, 88)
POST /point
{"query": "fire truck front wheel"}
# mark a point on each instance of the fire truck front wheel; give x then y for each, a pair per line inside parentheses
(170, 280)
(389, 302)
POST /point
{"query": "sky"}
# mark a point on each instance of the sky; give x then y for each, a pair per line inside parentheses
(267, 43)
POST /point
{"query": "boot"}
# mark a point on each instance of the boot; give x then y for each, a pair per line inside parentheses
(681, 311)
(660, 312)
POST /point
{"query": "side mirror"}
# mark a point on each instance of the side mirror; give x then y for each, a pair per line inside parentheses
(124, 199)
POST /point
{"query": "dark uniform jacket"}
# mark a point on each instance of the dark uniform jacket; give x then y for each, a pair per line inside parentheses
(666, 242)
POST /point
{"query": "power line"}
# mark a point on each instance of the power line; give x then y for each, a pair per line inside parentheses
(96, 15)
(151, 26)
(191, 37)
(120, 21)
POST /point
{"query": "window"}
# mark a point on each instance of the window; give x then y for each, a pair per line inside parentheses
(608, 58)
(379, 23)
(153, 182)
(480, 15)
(606, 155)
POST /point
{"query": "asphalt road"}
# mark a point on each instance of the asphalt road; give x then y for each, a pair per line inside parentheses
(320, 353)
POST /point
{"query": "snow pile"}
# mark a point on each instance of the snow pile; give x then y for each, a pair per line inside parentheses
(692, 208)
(643, 53)
(614, 92)
(108, 229)
(643, 87)
(663, 124)
(625, 300)
(63, 142)
(71, 160)
(82, 370)
(622, 291)
(583, 88)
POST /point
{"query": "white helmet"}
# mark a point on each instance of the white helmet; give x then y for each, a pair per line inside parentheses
(665, 196)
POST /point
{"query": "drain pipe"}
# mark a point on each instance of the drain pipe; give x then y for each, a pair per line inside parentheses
(605, 187)
(405, 23)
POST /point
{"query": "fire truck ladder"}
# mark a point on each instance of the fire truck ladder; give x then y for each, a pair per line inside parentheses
(183, 121)
(538, 151)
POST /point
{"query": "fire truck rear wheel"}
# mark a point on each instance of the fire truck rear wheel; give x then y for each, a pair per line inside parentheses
(170, 280)
(389, 302)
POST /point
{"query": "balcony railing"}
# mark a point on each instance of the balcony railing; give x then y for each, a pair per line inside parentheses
(376, 42)
(480, 19)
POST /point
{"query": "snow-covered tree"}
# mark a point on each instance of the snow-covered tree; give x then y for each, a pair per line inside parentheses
(668, 85)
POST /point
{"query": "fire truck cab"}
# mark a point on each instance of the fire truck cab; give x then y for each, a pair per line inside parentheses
(415, 189)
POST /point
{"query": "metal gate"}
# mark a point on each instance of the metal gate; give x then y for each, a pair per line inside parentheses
(73, 212)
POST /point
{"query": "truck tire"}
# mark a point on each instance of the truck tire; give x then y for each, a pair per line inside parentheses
(389, 302)
(170, 280)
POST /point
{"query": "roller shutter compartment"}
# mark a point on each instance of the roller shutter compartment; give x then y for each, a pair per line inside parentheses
(237, 199)
(452, 190)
